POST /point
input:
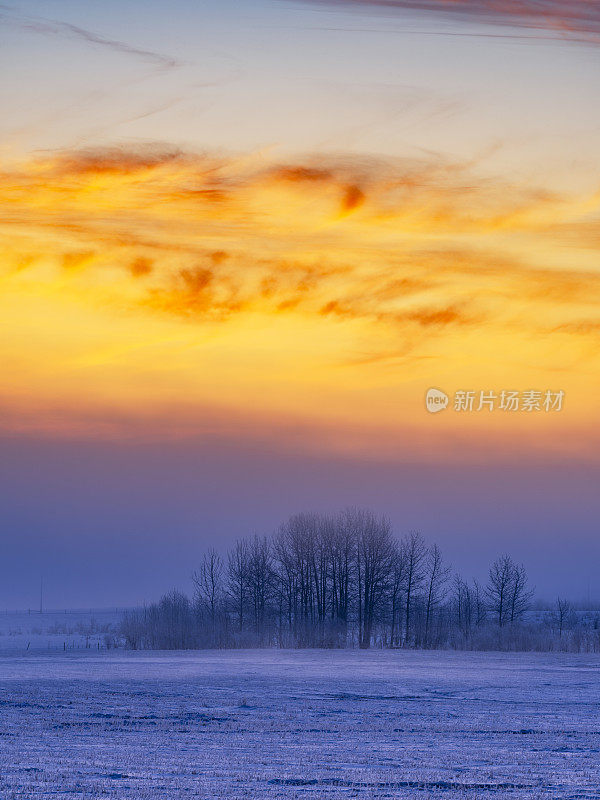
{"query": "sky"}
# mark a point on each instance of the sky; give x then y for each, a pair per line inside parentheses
(239, 242)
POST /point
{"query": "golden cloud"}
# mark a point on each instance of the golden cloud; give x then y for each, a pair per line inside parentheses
(145, 276)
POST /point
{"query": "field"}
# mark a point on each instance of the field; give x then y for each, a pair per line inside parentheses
(334, 724)
(69, 629)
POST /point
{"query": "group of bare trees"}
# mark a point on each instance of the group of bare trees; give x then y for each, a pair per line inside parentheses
(340, 580)
(323, 581)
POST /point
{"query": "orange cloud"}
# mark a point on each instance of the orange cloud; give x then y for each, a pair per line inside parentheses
(325, 293)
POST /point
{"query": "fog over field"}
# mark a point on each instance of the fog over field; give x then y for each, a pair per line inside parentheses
(294, 724)
(65, 629)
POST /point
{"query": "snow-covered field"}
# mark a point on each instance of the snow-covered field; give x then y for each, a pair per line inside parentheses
(71, 629)
(290, 724)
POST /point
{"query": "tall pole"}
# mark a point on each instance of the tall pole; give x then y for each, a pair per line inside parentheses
(41, 594)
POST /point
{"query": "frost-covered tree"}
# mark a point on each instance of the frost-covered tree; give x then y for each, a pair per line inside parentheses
(374, 560)
(414, 553)
(343, 580)
(563, 610)
(237, 578)
(436, 575)
(508, 594)
(520, 594)
(209, 590)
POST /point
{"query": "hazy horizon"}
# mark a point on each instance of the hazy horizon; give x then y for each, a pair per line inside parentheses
(116, 525)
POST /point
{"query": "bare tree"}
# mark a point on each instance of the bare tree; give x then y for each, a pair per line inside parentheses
(463, 605)
(436, 577)
(562, 612)
(396, 590)
(374, 555)
(342, 558)
(520, 595)
(287, 584)
(170, 623)
(133, 629)
(294, 548)
(238, 560)
(208, 588)
(260, 582)
(414, 555)
(499, 588)
(479, 601)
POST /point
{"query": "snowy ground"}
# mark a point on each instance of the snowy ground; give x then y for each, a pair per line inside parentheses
(293, 724)
(72, 629)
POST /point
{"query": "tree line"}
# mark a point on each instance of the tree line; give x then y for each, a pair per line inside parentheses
(341, 580)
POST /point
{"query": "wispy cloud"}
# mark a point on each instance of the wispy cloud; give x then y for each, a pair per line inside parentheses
(578, 18)
(415, 243)
(67, 30)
